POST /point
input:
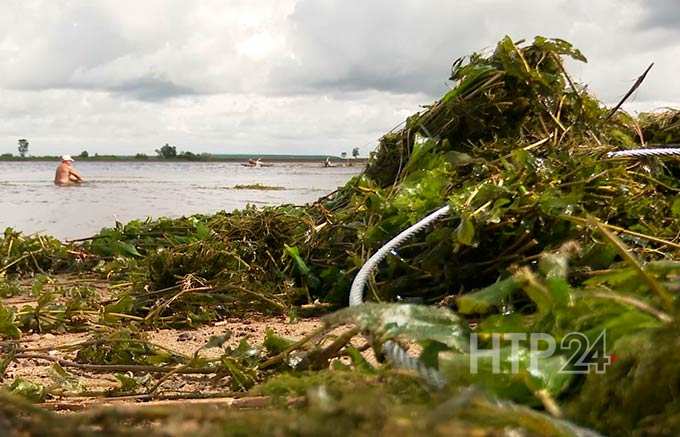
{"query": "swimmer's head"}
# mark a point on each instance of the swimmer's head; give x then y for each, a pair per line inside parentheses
(66, 158)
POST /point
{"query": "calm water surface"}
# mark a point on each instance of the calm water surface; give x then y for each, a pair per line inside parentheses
(123, 191)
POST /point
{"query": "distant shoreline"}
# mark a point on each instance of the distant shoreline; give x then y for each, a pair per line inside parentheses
(195, 158)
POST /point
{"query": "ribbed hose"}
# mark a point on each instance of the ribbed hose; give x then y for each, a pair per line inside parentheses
(644, 152)
(356, 294)
(395, 353)
(399, 358)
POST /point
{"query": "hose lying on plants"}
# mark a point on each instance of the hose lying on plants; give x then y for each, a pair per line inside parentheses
(644, 152)
(392, 350)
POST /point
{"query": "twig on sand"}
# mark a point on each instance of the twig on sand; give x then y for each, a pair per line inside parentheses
(170, 401)
(109, 368)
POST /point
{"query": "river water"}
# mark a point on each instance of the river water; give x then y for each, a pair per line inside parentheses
(30, 202)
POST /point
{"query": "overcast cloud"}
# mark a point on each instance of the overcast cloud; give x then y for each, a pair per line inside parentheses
(286, 76)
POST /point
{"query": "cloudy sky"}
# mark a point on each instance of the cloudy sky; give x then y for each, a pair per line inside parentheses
(286, 76)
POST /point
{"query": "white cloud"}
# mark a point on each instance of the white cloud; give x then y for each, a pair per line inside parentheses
(235, 123)
(285, 76)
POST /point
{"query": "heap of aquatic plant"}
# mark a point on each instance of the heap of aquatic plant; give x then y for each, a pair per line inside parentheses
(546, 234)
(515, 147)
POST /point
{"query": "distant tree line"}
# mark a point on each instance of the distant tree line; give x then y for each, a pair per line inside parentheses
(165, 152)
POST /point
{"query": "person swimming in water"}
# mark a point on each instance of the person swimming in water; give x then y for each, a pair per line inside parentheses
(66, 174)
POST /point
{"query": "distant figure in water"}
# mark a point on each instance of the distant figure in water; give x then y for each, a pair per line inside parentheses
(66, 174)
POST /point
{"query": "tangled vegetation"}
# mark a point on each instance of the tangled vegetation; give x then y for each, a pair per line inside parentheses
(546, 235)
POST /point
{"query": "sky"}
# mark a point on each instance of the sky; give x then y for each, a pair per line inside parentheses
(287, 76)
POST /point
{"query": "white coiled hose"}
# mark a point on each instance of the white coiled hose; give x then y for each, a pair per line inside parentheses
(356, 294)
(395, 353)
(644, 152)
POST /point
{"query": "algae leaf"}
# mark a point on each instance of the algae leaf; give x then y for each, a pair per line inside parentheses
(130, 384)
(241, 378)
(360, 363)
(124, 347)
(275, 344)
(414, 322)
(65, 380)
(8, 328)
(125, 248)
(560, 47)
(302, 266)
(465, 232)
(32, 391)
(511, 376)
(675, 207)
(483, 301)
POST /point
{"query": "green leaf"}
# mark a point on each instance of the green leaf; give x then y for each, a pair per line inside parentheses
(7, 358)
(465, 232)
(242, 378)
(124, 305)
(458, 158)
(560, 47)
(430, 353)
(65, 380)
(559, 290)
(517, 384)
(513, 322)
(8, 328)
(130, 384)
(245, 353)
(302, 266)
(414, 322)
(537, 291)
(675, 208)
(202, 231)
(124, 346)
(274, 343)
(32, 391)
(360, 363)
(125, 248)
(483, 301)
